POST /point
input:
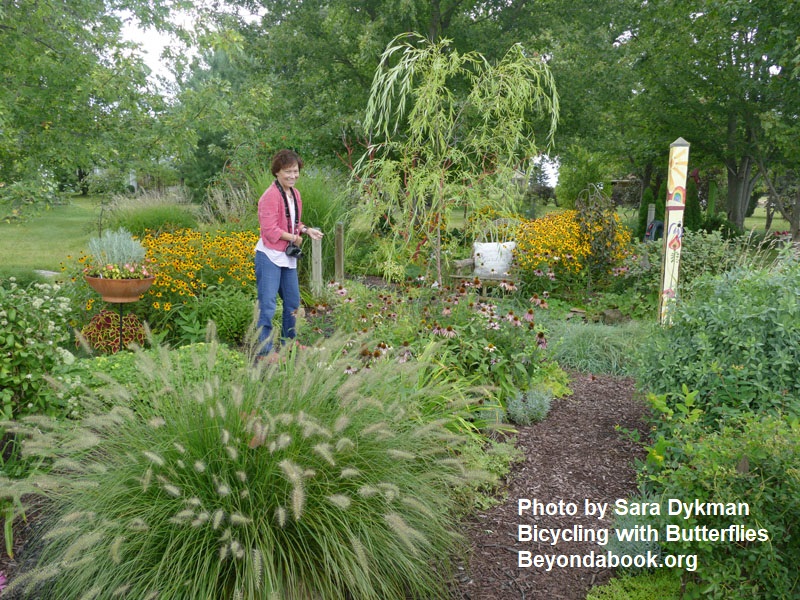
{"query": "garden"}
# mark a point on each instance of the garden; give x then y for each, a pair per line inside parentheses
(529, 428)
(384, 456)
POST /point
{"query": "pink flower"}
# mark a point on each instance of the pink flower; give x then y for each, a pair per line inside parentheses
(3, 581)
(446, 311)
(541, 341)
(508, 286)
(449, 332)
(528, 316)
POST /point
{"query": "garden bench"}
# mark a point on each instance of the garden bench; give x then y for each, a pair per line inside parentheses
(490, 264)
(464, 272)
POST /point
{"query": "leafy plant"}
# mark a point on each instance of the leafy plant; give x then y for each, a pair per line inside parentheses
(495, 342)
(103, 331)
(230, 308)
(736, 339)
(753, 459)
(598, 225)
(33, 325)
(663, 584)
(300, 481)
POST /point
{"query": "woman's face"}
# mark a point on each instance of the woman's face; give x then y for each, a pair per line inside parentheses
(287, 176)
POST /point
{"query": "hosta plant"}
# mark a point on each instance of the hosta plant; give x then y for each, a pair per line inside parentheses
(298, 481)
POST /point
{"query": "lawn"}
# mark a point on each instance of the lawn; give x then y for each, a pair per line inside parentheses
(758, 221)
(46, 240)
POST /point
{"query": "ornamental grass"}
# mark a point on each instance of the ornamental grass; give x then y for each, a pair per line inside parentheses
(296, 481)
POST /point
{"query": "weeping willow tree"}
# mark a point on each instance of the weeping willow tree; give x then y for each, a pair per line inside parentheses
(449, 130)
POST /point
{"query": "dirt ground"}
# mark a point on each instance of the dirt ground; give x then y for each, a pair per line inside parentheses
(575, 454)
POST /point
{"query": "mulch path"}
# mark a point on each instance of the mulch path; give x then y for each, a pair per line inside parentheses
(574, 454)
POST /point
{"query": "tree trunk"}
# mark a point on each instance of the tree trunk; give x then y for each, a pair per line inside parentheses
(740, 188)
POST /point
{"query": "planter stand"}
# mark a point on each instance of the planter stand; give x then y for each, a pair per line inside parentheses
(119, 292)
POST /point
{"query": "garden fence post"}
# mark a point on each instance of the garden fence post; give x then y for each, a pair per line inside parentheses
(316, 266)
(339, 264)
(673, 227)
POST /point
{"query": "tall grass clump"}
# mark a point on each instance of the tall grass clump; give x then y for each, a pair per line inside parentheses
(597, 348)
(152, 212)
(297, 481)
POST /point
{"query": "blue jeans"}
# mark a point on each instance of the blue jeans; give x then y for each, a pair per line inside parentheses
(273, 281)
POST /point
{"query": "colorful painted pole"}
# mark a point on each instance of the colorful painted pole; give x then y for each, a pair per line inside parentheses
(673, 225)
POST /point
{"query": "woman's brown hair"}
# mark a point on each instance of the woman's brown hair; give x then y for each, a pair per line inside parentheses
(285, 159)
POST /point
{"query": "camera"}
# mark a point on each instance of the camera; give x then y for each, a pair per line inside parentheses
(294, 251)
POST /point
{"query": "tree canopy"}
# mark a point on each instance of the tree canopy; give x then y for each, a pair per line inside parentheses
(632, 77)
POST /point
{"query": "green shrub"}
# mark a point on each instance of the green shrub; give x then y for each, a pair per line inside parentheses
(643, 545)
(530, 406)
(736, 339)
(33, 326)
(755, 460)
(230, 308)
(661, 585)
(299, 481)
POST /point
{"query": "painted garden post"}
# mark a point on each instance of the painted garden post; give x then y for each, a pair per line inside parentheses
(673, 226)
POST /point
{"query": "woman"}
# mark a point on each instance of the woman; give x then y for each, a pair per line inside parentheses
(279, 218)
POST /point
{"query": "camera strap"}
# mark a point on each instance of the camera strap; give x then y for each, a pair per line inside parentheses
(286, 207)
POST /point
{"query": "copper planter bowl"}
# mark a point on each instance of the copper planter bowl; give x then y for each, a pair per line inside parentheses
(120, 290)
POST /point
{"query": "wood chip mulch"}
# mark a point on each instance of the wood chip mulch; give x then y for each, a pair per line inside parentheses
(573, 455)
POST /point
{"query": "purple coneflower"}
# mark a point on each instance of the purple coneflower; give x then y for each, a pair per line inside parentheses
(541, 341)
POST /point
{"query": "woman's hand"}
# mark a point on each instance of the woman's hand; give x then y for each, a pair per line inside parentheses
(313, 233)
